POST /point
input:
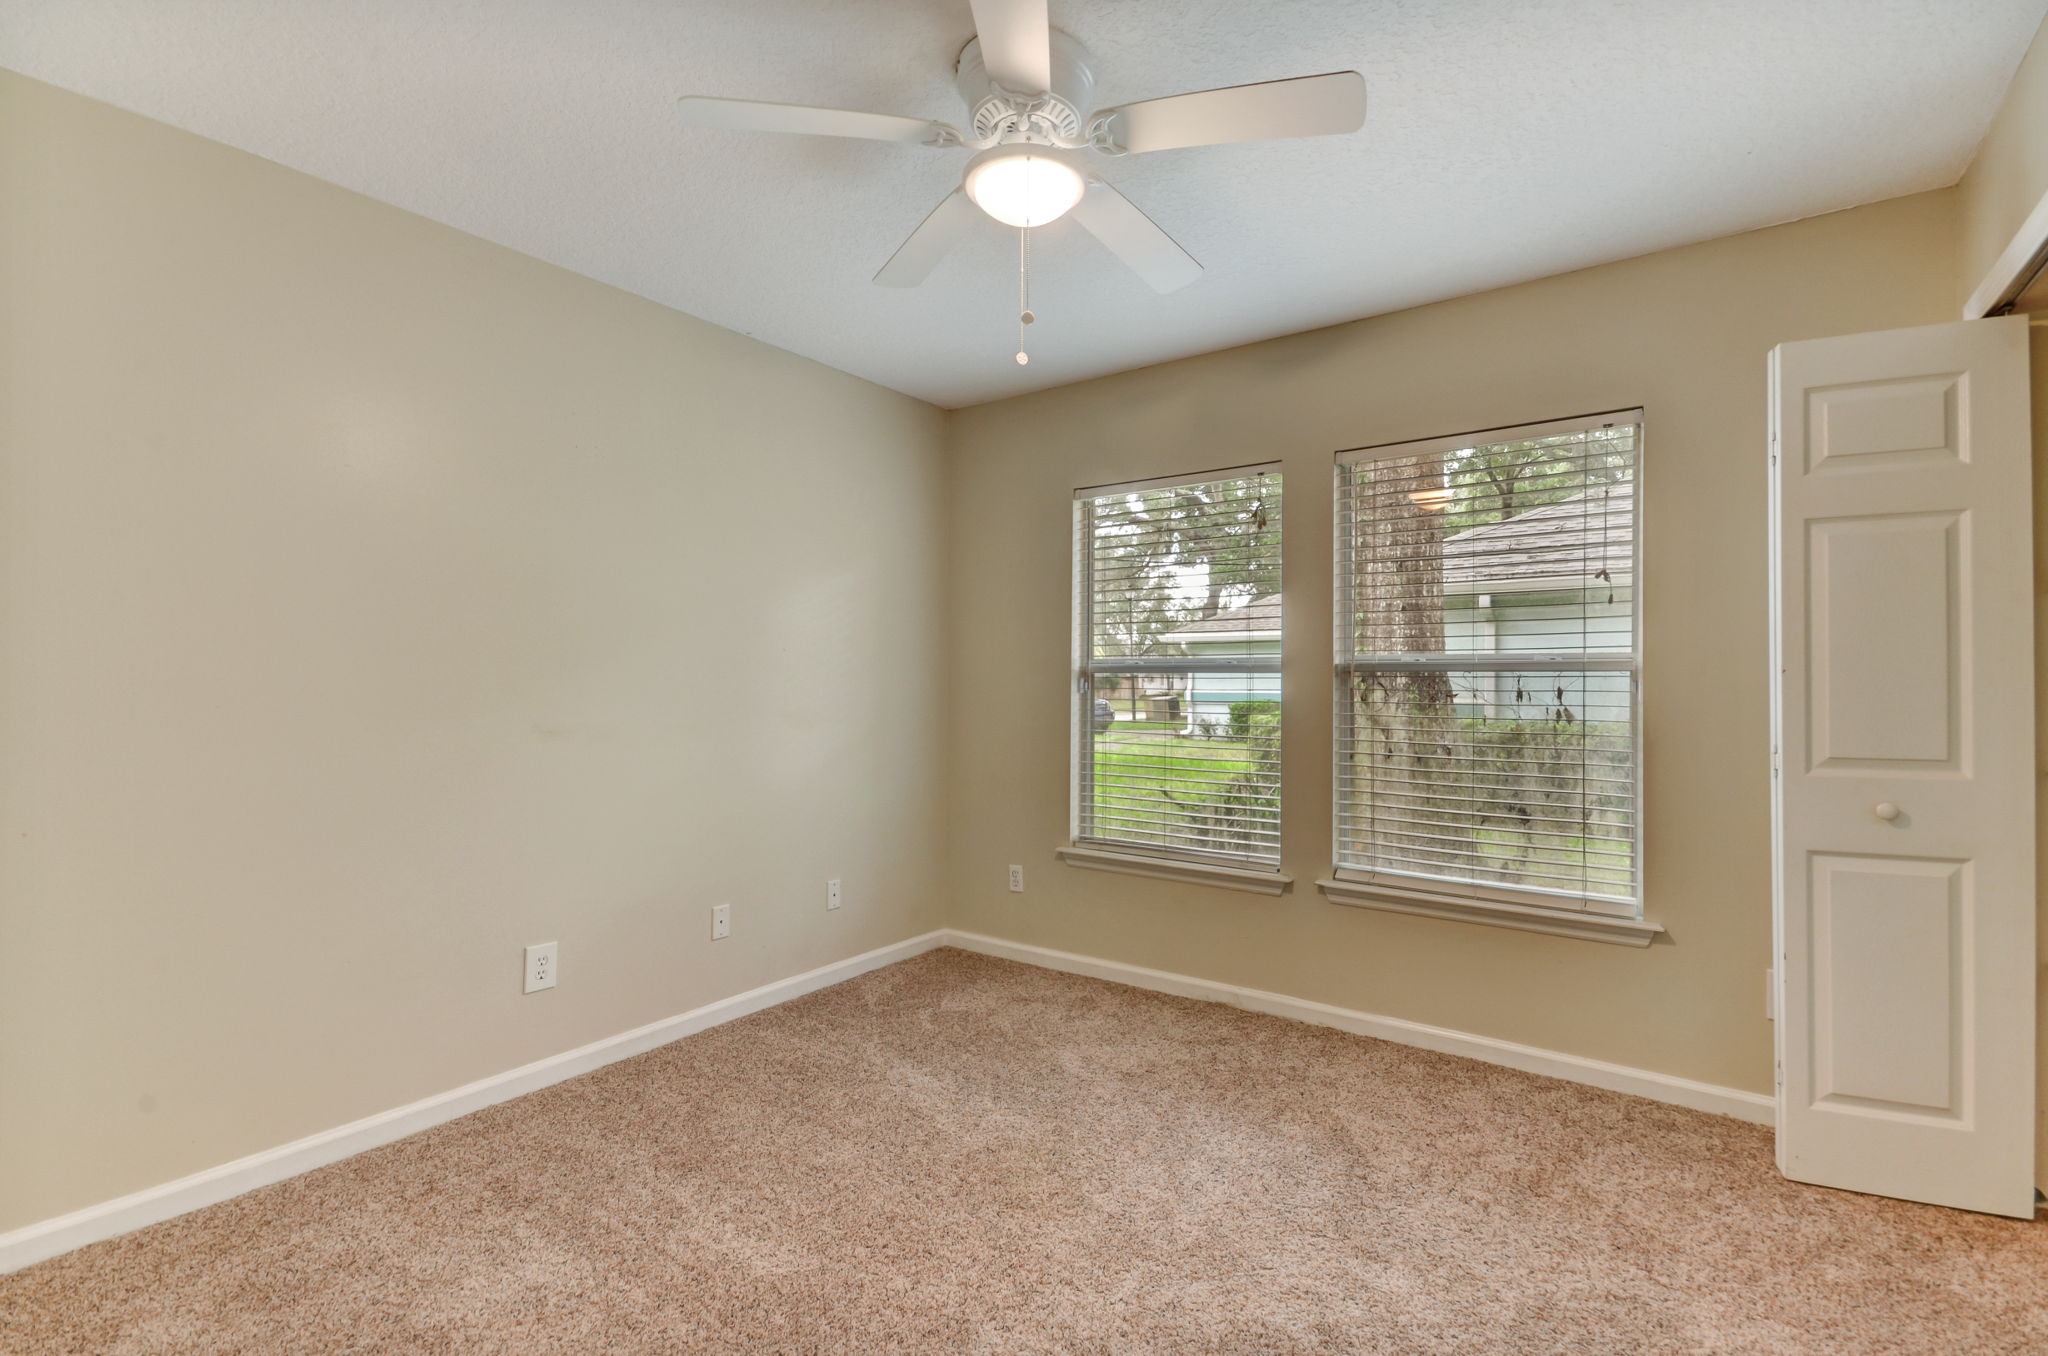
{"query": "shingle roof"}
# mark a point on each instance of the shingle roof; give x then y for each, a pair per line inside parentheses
(1564, 541)
(1568, 540)
(1260, 614)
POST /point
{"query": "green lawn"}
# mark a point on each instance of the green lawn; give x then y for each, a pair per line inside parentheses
(1137, 765)
(1138, 762)
(1151, 757)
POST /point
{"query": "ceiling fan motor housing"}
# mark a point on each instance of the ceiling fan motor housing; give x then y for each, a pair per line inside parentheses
(1058, 116)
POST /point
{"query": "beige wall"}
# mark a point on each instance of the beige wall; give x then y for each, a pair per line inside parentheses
(2009, 175)
(378, 601)
(1683, 334)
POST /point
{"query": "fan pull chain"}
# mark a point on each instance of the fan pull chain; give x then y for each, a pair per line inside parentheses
(1024, 316)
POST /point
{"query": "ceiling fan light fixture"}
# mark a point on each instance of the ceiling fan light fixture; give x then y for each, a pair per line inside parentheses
(1023, 187)
(1027, 88)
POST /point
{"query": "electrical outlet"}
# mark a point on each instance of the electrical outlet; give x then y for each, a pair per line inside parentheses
(540, 967)
(1017, 880)
(832, 900)
(721, 921)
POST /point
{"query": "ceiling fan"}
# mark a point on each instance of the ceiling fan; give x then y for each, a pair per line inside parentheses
(1029, 88)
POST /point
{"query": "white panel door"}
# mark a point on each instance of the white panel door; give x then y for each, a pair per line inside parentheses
(1902, 573)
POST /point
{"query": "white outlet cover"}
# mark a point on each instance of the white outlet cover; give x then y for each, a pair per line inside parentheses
(1017, 879)
(542, 968)
(832, 899)
(721, 921)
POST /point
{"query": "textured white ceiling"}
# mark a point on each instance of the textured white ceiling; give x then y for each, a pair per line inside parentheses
(1507, 139)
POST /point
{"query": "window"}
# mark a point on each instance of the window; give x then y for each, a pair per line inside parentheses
(1177, 657)
(1487, 722)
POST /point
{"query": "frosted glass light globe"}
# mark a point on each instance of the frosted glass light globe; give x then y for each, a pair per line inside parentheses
(1022, 189)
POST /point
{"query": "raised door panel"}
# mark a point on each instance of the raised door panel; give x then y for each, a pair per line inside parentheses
(1884, 627)
(1879, 425)
(1887, 947)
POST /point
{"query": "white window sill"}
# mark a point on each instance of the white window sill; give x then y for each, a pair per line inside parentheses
(1591, 927)
(1169, 868)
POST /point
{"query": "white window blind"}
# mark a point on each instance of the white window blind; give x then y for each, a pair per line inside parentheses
(1177, 680)
(1487, 715)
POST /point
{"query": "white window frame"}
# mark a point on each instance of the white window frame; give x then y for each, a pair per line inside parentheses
(1194, 865)
(1535, 909)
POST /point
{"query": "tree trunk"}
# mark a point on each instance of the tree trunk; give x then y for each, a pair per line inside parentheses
(1407, 730)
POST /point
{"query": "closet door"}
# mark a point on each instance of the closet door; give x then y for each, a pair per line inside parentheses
(1902, 574)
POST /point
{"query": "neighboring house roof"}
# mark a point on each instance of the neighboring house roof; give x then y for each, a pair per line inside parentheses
(1258, 619)
(1567, 541)
(1564, 542)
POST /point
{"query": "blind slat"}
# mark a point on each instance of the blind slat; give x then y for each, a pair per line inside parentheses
(1178, 636)
(1486, 660)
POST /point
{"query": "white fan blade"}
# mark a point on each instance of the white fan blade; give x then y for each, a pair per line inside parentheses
(1016, 43)
(1135, 238)
(1307, 106)
(748, 115)
(916, 257)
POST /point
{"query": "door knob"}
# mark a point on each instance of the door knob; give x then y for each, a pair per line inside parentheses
(1885, 810)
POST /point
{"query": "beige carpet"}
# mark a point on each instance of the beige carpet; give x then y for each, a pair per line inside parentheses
(964, 1155)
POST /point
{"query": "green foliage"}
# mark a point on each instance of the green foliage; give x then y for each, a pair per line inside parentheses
(1149, 548)
(1500, 481)
(1513, 801)
(1242, 713)
(1210, 793)
(1537, 817)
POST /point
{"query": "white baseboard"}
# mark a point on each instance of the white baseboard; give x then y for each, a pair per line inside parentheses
(109, 1219)
(50, 1237)
(1748, 1106)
